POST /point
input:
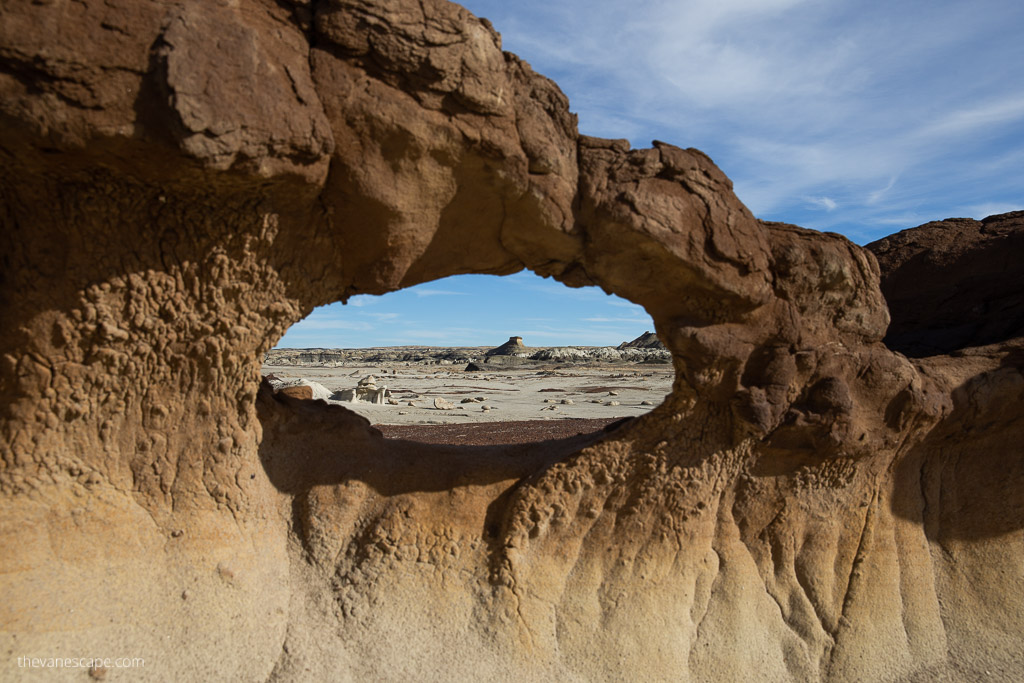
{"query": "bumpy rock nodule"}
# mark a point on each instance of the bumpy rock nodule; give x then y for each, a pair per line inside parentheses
(180, 183)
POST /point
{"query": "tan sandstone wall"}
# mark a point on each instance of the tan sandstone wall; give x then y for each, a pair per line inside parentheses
(180, 182)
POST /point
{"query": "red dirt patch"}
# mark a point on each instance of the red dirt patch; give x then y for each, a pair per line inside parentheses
(496, 433)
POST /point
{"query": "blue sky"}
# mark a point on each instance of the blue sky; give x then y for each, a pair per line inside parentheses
(858, 117)
(474, 310)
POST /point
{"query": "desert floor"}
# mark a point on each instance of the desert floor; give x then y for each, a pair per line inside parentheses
(558, 393)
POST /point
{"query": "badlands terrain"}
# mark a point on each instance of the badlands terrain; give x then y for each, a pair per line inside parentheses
(432, 386)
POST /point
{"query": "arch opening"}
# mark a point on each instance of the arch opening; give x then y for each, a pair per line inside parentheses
(478, 360)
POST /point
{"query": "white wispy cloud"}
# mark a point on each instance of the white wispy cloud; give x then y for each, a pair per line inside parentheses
(826, 203)
(800, 98)
(980, 211)
(638, 321)
(316, 324)
(975, 117)
(454, 335)
(382, 317)
(622, 303)
(361, 300)
(437, 292)
(877, 195)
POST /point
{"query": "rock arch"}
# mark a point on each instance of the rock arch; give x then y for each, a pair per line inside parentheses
(179, 191)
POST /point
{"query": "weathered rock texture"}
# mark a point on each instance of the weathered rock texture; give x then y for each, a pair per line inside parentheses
(180, 182)
(954, 283)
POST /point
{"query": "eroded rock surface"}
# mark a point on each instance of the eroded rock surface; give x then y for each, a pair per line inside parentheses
(953, 284)
(181, 182)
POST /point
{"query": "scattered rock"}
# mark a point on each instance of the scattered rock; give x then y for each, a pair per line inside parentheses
(300, 391)
(443, 404)
(612, 403)
(567, 401)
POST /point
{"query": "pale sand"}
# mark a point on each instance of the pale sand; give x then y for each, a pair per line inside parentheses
(513, 394)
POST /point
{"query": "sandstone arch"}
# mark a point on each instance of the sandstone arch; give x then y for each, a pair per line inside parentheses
(179, 190)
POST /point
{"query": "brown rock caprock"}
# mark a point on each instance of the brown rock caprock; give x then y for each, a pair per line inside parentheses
(300, 391)
(953, 284)
(182, 182)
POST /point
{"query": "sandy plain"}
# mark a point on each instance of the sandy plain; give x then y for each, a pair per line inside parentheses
(556, 392)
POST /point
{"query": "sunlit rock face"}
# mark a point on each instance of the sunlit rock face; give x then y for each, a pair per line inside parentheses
(182, 182)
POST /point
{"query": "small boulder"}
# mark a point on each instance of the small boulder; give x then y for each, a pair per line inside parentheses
(300, 391)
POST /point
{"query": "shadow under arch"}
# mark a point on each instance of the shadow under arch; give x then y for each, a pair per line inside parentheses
(314, 452)
(964, 480)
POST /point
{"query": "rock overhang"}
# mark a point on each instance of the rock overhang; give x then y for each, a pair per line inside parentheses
(188, 225)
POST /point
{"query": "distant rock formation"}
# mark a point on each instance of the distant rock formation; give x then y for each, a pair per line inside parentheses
(601, 354)
(512, 355)
(647, 340)
(389, 354)
(366, 391)
(513, 347)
